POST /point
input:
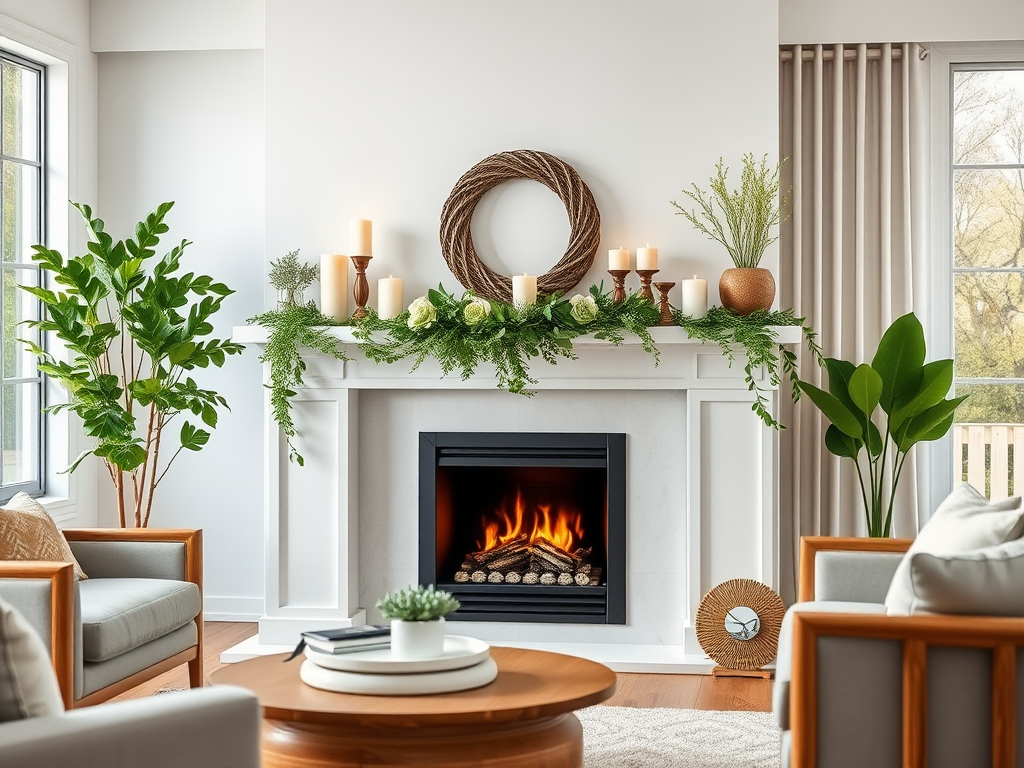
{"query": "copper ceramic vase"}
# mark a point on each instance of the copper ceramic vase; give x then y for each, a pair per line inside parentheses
(746, 289)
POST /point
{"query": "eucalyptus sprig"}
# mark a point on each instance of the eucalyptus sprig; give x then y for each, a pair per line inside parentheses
(759, 345)
(291, 327)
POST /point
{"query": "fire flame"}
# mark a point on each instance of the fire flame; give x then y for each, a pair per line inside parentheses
(563, 529)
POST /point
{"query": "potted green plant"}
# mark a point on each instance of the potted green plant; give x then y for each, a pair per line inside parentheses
(291, 279)
(417, 620)
(743, 221)
(133, 328)
(879, 411)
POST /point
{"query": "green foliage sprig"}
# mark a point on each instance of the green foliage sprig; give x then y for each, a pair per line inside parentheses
(463, 333)
(292, 327)
(742, 220)
(133, 327)
(291, 278)
(417, 604)
(752, 333)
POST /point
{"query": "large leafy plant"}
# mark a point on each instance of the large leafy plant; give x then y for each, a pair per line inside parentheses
(879, 411)
(133, 328)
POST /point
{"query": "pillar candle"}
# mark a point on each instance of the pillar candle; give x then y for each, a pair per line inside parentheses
(524, 289)
(389, 297)
(334, 285)
(618, 258)
(361, 237)
(695, 297)
(647, 258)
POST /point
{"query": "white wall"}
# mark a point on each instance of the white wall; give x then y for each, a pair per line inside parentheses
(188, 127)
(184, 25)
(60, 29)
(840, 21)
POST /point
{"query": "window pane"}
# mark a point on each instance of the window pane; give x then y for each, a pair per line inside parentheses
(19, 431)
(991, 404)
(988, 213)
(18, 305)
(988, 317)
(20, 211)
(988, 117)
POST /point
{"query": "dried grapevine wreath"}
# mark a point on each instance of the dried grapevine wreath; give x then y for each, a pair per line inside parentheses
(560, 178)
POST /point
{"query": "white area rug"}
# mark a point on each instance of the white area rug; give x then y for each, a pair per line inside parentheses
(628, 737)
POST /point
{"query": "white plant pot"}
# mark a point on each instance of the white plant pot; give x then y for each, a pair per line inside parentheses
(417, 639)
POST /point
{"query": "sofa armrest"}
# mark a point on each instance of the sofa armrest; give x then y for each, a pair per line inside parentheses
(810, 546)
(216, 726)
(47, 598)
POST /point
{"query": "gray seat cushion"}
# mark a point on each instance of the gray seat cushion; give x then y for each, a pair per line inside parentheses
(121, 614)
(784, 663)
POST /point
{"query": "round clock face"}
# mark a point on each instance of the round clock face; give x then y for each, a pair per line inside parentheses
(742, 623)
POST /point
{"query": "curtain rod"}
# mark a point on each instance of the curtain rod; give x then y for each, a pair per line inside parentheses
(849, 54)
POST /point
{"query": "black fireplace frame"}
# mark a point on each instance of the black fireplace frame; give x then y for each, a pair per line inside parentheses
(604, 604)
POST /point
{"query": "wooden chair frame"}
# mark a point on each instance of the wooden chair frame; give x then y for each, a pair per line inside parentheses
(62, 609)
(1003, 636)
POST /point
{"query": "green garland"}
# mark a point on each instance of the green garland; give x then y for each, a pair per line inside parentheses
(464, 333)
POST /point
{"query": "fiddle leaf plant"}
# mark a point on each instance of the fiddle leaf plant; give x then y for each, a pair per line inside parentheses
(133, 328)
(911, 397)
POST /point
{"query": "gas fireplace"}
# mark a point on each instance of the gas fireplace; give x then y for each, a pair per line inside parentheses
(525, 526)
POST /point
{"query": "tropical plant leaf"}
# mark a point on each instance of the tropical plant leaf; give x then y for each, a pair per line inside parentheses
(865, 388)
(935, 382)
(835, 411)
(841, 444)
(899, 360)
(926, 422)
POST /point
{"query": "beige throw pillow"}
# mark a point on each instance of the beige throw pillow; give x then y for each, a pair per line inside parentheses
(965, 521)
(27, 532)
(28, 685)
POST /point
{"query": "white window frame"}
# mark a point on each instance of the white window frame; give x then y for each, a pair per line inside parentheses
(939, 310)
(63, 438)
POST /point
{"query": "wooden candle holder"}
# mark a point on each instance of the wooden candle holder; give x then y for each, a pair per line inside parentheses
(666, 310)
(645, 283)
(361, 288)
(619, 278)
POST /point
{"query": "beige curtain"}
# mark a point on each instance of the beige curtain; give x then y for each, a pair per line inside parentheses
(854, 125)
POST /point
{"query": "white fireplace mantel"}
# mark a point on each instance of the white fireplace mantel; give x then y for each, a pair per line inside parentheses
(727, 484)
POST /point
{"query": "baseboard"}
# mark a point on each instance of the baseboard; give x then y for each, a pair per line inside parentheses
(232, 608)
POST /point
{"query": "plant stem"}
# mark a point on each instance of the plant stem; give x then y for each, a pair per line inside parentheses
(153, 481)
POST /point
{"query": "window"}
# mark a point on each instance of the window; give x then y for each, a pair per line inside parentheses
(987, 177)
(21, 226)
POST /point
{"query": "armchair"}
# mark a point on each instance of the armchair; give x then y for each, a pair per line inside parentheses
(137, 616)
(857, 687)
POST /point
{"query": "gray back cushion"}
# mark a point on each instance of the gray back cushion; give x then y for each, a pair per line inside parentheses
(28, 685)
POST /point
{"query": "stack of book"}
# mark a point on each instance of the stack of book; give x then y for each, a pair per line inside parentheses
(348, 639)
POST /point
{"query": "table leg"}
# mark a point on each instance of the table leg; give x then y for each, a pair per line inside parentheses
(555, 742)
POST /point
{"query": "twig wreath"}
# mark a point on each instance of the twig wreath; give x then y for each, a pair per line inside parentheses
(457, 214)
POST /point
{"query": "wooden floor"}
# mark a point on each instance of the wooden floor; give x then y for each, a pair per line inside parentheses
(675, 691)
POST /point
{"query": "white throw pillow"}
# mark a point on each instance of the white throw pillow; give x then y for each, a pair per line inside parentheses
(965, 521)
(987, 582)
(28, 685)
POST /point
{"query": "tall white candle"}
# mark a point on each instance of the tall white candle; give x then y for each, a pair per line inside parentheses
(361, 237)
(389, 298)
(524, 289)
(695, 297)
(618, 258)
(647, 258)
(334, 285)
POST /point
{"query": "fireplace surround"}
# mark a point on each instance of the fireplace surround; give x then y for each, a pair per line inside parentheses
(525, 526)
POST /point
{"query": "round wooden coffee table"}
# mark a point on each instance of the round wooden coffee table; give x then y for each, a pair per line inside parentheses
(522, 719)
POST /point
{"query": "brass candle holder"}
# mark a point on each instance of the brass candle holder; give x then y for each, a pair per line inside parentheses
(619, 278)
(666, 310)
(361, 288)
(645, 283)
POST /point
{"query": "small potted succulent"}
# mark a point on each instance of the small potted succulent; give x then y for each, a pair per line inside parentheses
(417, 620)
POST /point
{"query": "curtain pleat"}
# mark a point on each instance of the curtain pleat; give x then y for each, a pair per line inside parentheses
(855, 135)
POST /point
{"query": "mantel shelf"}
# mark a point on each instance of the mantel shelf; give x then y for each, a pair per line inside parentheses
(786, 334)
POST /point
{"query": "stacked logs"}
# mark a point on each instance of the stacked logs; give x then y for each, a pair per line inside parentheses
(521, 561)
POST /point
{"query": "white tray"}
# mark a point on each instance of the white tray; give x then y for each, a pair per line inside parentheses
(399, 685)
(459, 653)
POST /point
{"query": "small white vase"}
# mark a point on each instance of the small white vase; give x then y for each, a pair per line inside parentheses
(417, 639)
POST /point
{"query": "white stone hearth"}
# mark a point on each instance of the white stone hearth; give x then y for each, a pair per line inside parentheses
(701, 490)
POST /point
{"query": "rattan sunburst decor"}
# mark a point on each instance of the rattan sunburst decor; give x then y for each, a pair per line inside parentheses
(457, 214)
(738, 639)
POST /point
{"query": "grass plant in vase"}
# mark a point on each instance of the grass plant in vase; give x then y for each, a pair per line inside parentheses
(743, 220)
(417, 621)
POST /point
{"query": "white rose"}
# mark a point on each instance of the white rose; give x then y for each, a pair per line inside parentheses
(476, 311)
(422, 314)
(584, 309)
